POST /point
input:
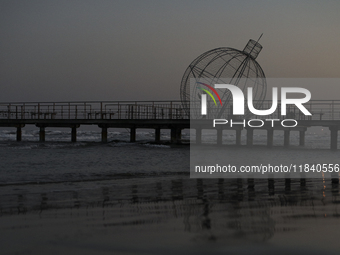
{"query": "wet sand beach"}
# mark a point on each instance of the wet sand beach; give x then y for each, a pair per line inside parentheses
(138, 198)
(171, 215)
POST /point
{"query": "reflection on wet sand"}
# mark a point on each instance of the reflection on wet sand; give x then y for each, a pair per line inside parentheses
(228, 211)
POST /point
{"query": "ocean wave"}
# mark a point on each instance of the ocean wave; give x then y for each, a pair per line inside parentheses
(74, 178)
(157, 145)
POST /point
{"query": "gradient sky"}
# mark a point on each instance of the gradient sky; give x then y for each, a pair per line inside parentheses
(138, 50)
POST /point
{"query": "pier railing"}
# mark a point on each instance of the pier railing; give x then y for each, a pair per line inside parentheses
(320, 109)
(93, 110)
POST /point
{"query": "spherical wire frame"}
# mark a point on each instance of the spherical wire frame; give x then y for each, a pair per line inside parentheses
(220, 66)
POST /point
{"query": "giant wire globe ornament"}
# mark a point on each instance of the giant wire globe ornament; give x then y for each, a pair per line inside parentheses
(223, 66)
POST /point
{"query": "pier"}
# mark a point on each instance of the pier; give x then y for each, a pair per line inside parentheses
(160, 115)
(133, 115)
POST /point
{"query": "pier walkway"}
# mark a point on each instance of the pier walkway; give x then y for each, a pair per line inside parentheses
(159, 115)
(110, 114)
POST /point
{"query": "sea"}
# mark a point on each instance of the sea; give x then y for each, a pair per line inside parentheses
(118, 197)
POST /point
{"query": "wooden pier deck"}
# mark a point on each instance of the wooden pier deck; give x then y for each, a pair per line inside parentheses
(159, 115)
(128, 114)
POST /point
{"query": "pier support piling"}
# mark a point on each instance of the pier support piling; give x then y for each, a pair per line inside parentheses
(302, 134)
(286, 138)
(179, 134)
(157, 135)
(176, 135)
(19, 132)
(270, 137)
(42, 134)
(238, 137)
(219, 136)
(74, 134)
(334, 137)
(132, 134)
(250, 134)
(104, 134)
(173, 135)
(198, 136)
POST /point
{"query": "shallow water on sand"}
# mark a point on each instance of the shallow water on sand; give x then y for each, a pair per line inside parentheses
(174, 215)
(122, 198)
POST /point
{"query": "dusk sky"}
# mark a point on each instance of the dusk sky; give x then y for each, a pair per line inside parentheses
(139, 50)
